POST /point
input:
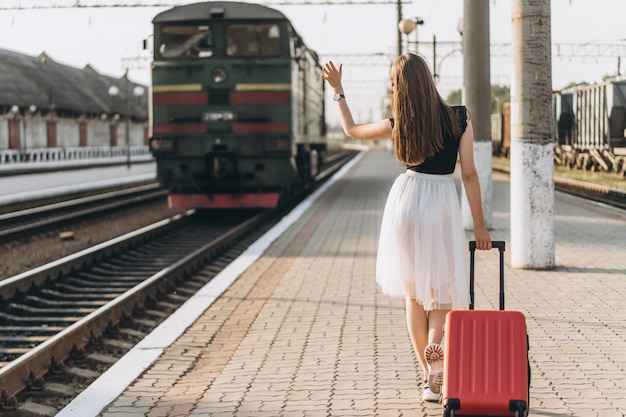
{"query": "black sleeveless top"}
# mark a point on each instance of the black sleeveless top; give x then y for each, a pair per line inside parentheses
(443, 162)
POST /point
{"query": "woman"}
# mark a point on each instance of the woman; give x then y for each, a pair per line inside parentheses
(421, 253)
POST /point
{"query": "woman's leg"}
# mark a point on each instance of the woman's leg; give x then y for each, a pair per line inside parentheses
(418, 326)
(433, 352)
(436, 323)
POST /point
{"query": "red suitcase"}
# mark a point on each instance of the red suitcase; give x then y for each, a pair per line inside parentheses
(486, 370)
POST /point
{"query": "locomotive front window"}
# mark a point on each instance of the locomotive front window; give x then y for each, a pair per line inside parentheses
(253, 39)
(186, 41)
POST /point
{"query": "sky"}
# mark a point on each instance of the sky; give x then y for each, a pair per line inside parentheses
(361, 36)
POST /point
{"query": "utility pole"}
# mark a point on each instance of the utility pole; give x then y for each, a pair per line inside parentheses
(399, 6)
(532, 164)
(477, 98)
(127, 119)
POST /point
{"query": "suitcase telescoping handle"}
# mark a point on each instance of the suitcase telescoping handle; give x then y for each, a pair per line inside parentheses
(494, 244)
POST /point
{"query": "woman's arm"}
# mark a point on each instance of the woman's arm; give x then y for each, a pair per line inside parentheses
(376, 130)
(472, 187)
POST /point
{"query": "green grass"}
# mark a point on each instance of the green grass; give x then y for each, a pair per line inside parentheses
(607, 179)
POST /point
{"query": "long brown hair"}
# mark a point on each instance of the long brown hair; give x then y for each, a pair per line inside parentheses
(421, 117)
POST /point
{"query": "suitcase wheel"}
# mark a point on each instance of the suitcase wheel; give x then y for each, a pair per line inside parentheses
(520, 408)
(448, 413)
(450, 405)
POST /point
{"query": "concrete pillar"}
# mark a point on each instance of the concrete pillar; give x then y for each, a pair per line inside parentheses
(532, 164)
(477, 98)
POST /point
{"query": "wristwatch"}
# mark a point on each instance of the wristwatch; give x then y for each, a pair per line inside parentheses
(338, 96)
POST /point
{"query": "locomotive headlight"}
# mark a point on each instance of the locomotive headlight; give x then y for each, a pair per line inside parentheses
(218, 75)
(277, 144)
(162, 145)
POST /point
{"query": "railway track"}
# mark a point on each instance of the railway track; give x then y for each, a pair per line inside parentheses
(33, 220)
(63, 324)
(592, 192)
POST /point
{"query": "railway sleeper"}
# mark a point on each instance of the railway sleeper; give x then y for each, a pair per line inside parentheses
(145, 323)
(64, 382)
(30, 329)
(91, 296)
(118, 346)
(176, 298)
(63, 303)
(173, 305)
(97, 358)
(13, 319)
(32, 310)
(34, 409)
(44, 399)
(35, 340)
(57, 390)
(75, 373)
(132, 334)
(157, 314)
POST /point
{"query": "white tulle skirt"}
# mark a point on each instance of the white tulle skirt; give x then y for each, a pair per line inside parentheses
(421, 252)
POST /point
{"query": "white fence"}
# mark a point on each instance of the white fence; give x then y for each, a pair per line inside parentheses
(67, 154)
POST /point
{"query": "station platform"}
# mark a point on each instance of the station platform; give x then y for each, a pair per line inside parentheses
(297, 326)
(32, 185)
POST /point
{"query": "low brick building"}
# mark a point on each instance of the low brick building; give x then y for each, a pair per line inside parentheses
(45, 104)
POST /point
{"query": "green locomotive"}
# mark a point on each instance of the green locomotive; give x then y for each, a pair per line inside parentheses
(237, 106)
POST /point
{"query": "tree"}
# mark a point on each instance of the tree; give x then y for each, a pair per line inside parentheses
(575, 84)
(500, 94)
(454, 98)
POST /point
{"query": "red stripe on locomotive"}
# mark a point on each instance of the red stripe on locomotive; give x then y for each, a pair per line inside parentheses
(174, 128)
(180, 98)
(218, 201)
(272, 127)
(282, 97)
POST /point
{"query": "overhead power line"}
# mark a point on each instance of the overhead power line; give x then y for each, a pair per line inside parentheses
(444, 49)
(561, 50)
(85, 4)
(589, 50)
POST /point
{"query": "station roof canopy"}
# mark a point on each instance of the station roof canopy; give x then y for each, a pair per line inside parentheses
(40, 81)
